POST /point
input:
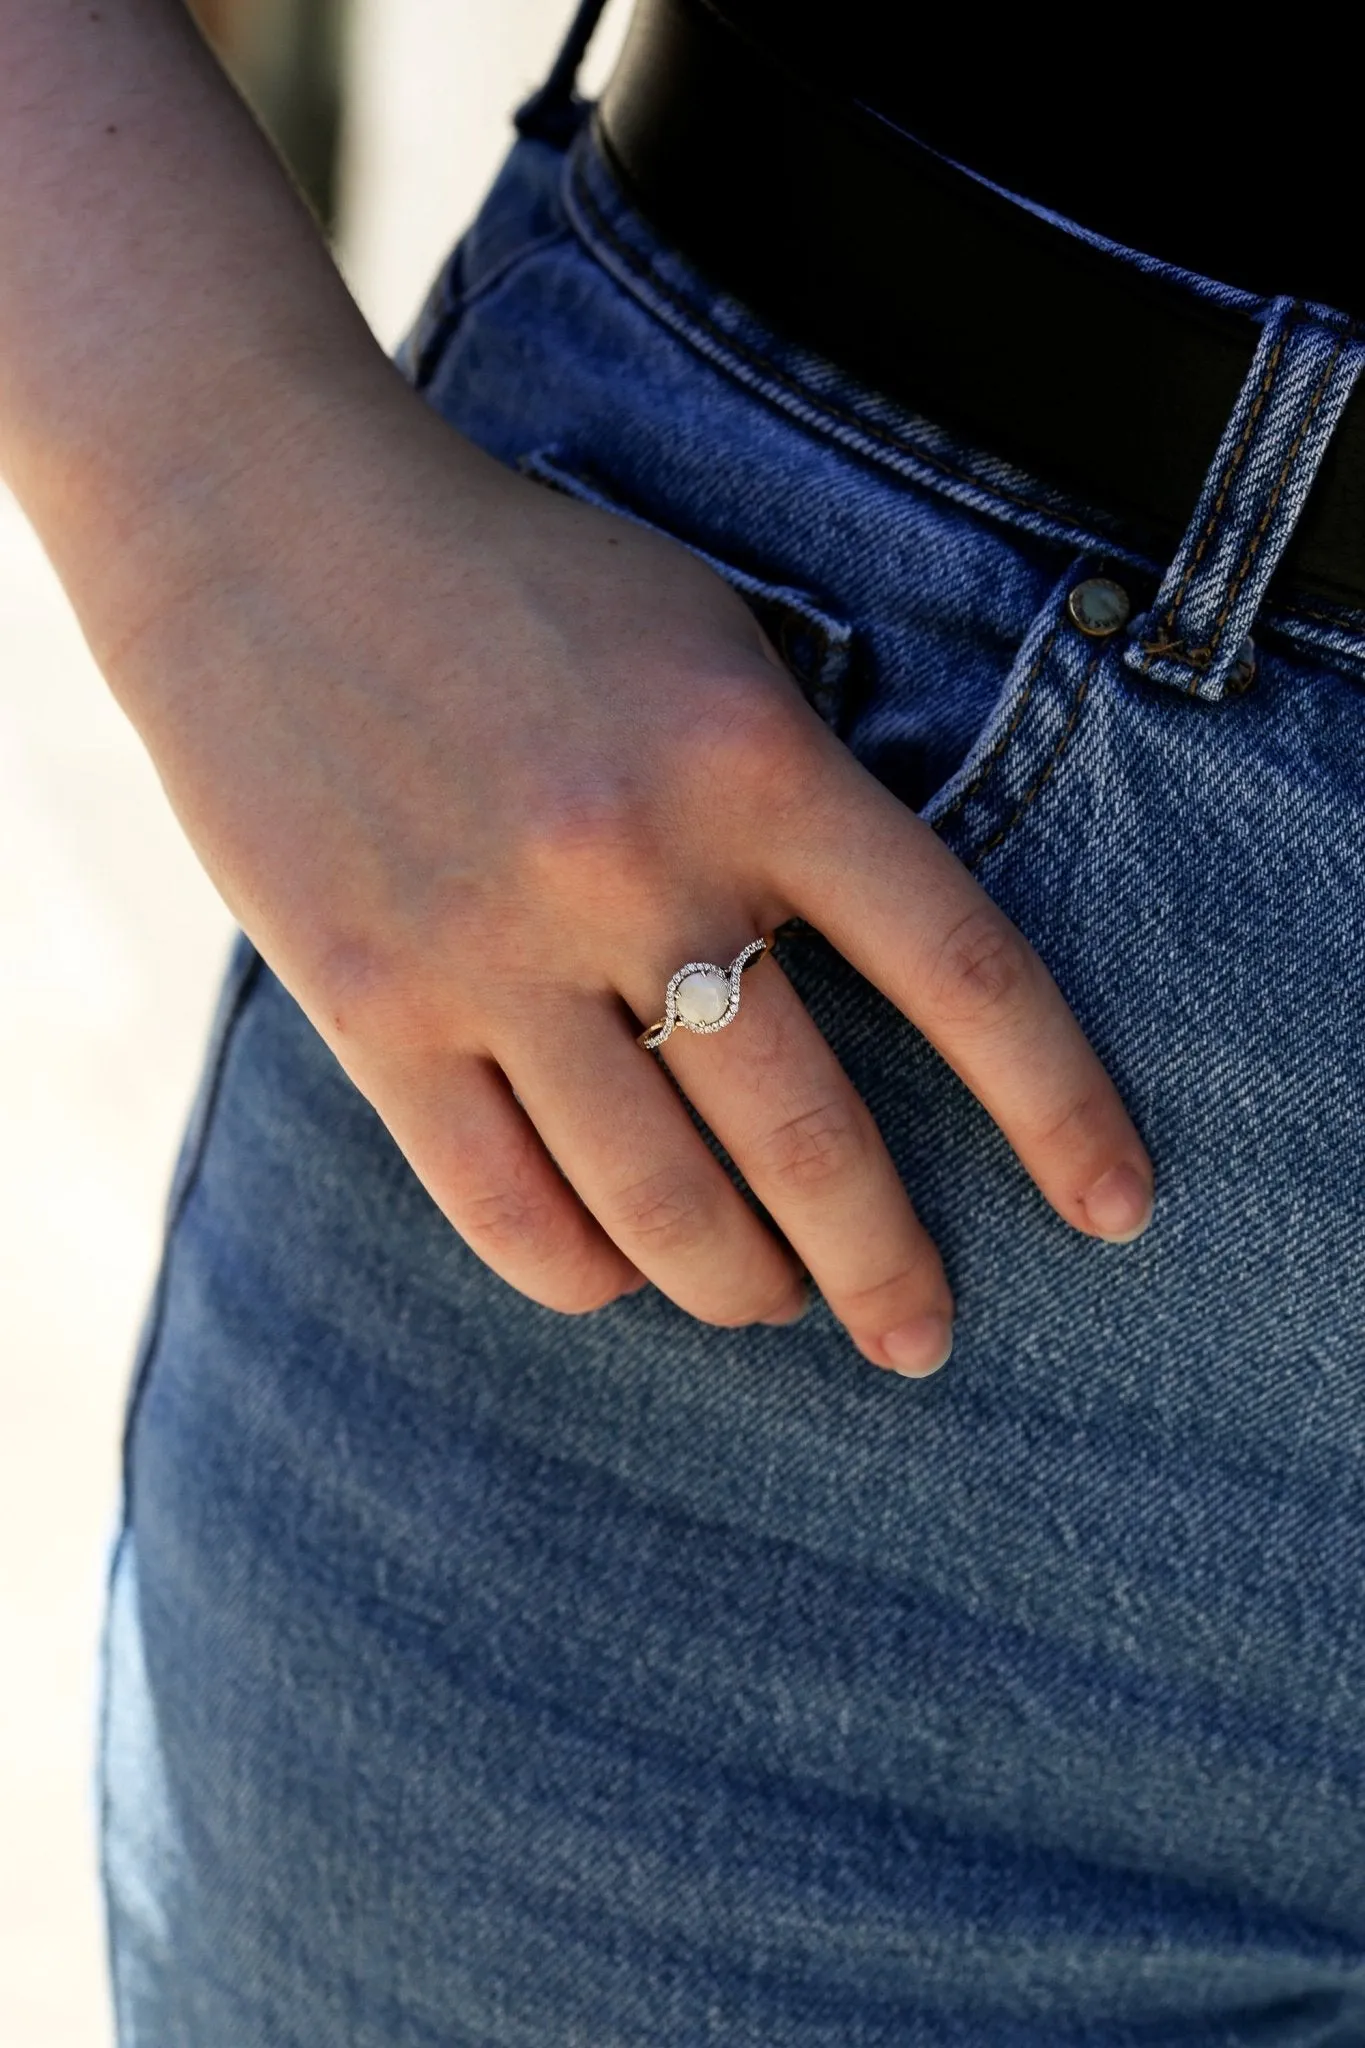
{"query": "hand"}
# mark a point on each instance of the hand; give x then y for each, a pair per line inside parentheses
(477, 768)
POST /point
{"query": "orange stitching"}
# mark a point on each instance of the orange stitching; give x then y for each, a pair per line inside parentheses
(1193, 657)
(1196, 659)
(1344, 618)
(988, 766)
(1234, 463)
(1047, 772)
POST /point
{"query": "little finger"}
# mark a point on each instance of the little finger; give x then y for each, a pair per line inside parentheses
(481, 1161)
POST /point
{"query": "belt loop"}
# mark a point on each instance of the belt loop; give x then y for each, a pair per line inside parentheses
(1294, 394)
(552, 112)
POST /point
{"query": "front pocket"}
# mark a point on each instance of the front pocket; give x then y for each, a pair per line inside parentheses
(817, 647)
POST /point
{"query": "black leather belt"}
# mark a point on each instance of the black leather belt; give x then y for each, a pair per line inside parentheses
(852, 238)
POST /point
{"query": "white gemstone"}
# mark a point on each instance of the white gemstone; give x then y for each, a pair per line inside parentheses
(703, 996)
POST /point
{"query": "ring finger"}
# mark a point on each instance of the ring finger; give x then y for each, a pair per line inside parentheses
(773, 1092)
(623, 1139)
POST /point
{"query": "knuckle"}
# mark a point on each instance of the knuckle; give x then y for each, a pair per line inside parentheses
(1072, 1124)
(590, 857)
(584, 836)
(509, 1222)
(814, 1149)
(667, 1213)
(984, 970)
(528, 1233)
(741, 729)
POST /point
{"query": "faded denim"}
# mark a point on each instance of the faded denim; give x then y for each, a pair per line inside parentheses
(481, 1677)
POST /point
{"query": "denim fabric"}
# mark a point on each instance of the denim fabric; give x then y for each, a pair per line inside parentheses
(481, 1677)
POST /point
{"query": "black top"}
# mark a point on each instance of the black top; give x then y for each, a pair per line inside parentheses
(1242, 162)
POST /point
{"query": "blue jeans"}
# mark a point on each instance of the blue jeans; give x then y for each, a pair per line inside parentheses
(477, 1676)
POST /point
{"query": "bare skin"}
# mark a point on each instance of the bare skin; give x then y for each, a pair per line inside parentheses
(474, 766)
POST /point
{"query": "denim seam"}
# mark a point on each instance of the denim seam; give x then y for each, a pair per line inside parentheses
(506, 265)
(820, 635)
(815, 401)
(456, 303)
(111, 1948)
(1346, 618)
(188, 1180)
(1046, 772)
(993, 759)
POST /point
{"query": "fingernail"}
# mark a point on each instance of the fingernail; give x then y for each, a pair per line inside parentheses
(1119, 1205)
(919, 1348)
(790, 1315)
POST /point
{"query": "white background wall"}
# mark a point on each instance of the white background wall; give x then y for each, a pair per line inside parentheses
(110, 945)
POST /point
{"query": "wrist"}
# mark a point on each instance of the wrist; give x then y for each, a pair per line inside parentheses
(169, 312)
(331, 464)
(189, 491)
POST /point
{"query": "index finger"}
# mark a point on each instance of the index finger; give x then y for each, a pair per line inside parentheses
(883, 888)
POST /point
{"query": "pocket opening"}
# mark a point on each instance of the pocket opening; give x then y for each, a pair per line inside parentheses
(816, 645)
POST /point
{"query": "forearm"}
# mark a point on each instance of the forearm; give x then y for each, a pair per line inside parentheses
(168, 311)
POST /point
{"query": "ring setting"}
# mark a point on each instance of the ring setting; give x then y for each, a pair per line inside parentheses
(702, 997)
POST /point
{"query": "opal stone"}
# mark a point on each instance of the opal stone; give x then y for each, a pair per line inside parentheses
(703, 996)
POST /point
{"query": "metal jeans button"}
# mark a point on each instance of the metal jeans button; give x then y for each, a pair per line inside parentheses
(1099, 607)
